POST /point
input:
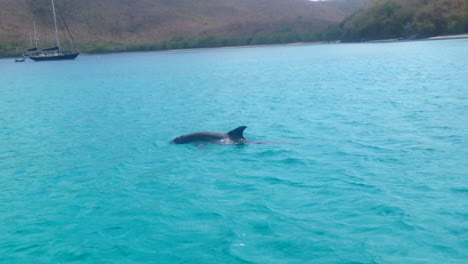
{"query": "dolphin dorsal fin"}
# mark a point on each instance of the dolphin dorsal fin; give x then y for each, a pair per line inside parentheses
(237, 133)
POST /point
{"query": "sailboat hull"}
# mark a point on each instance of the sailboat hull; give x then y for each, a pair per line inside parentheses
(67, 56)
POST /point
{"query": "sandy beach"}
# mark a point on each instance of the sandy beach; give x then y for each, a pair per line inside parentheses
(449, 37)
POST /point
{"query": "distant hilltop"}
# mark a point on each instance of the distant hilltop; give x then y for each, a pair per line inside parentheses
(121, 25)
(404, 19)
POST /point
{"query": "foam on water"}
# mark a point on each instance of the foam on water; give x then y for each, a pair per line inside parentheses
(377, 172)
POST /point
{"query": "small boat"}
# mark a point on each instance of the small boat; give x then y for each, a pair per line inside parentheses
(54, 53)
(19, 60)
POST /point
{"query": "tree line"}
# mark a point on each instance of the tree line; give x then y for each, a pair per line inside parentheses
(404, 19)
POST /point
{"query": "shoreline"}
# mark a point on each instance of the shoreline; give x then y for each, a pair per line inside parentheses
(204, 48)
(222, 47)
(443, 37)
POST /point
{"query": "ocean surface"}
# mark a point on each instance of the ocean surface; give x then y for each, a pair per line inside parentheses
(370, 163)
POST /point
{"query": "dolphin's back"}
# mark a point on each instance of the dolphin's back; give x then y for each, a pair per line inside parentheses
(204, 136)
(232, 137)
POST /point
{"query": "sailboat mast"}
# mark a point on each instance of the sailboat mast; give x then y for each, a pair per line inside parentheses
(55, 22)
(35, 33)
(30, 39)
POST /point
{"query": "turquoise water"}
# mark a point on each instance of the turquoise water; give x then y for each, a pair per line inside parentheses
(376, 172)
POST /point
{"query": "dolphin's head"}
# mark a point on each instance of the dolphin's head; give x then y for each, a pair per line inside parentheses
(180, 140)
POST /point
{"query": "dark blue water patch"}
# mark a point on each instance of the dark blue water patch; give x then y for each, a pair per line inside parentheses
(460, 190)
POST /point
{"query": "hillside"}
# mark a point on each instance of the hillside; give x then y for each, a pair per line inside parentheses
(118, 25)
(407, 19)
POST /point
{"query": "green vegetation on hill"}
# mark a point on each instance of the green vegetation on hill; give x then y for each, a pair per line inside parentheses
(408, 19)
(202, 42)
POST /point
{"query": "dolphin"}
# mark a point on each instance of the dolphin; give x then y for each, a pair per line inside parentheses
(234, 137)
